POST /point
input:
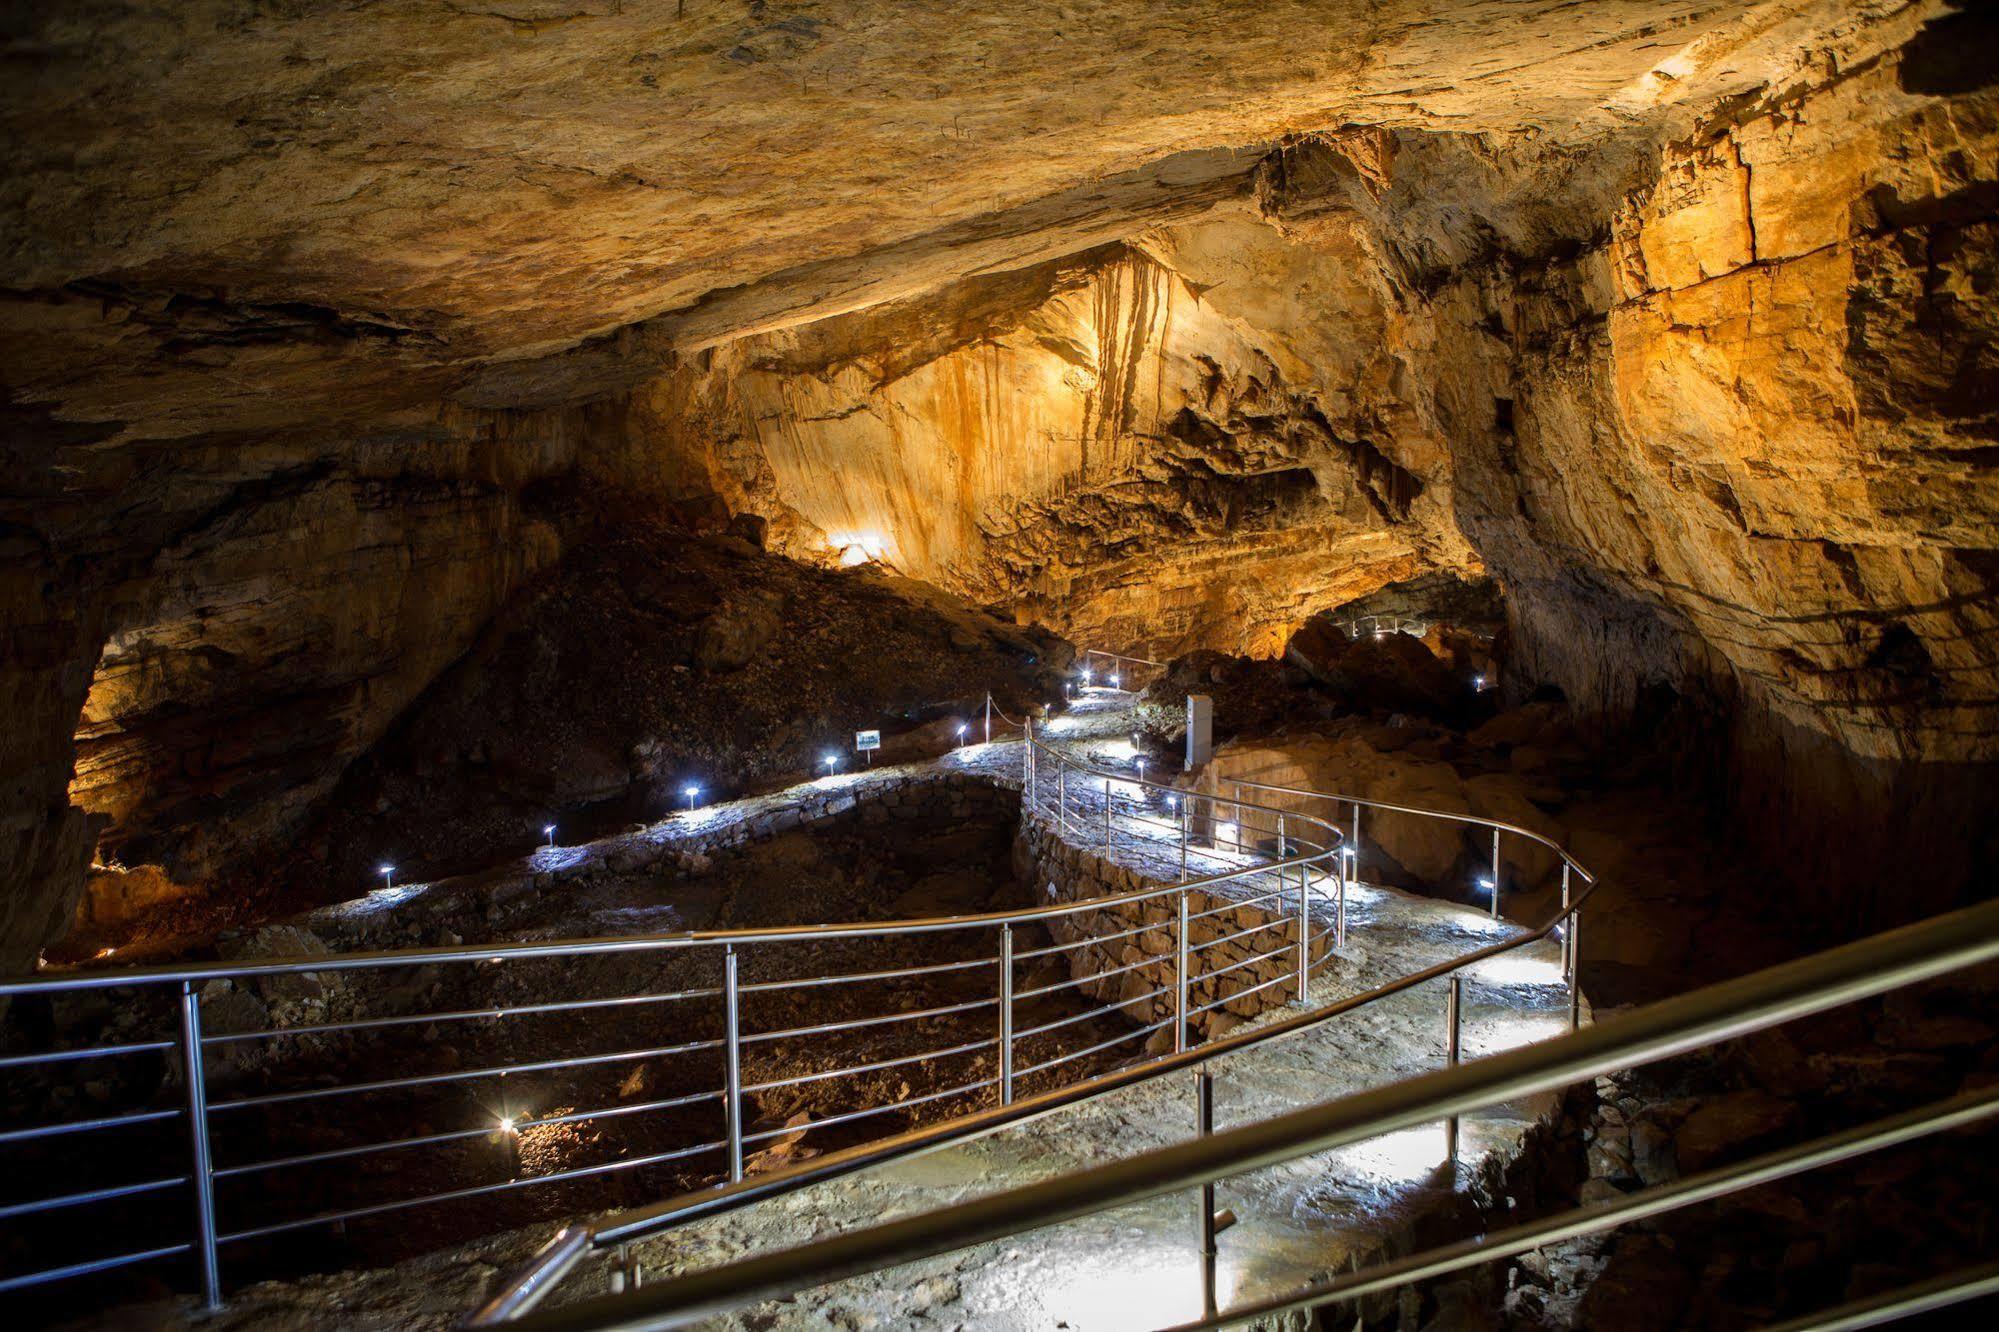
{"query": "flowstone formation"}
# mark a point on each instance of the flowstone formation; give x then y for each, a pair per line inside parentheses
(1166, 329)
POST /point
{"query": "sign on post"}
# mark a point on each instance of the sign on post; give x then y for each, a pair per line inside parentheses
(867, 742)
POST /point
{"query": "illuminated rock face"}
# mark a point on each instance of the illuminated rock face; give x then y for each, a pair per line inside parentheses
(1166, 329)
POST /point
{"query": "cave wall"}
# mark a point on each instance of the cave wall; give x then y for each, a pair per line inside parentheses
(186, 672)
(1743, 478)
(1101, 443)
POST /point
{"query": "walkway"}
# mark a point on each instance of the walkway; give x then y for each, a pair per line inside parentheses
(1135, 1268)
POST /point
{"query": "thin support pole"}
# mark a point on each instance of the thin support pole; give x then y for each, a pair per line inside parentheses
(1304, 931)
(989, 718)
(1006, 1014)
(1281, 852)
(1180, 979)
(1184, 812)
(1576, 975)
(733, 1039)
(1340, 906)
(1204, 1123)
(1495, 874)
(203, 1174)
(1027, 761)
(1568, 930)
(1356, 839)
(1107, 818)
(1061, 793)
(1453, 1005)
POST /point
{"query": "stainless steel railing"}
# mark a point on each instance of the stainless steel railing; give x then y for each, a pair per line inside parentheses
(705, 982)
(1119, 671)
(1814, 984)
(1065, 794)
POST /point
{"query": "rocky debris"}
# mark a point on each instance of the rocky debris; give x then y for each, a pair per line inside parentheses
(647, 660)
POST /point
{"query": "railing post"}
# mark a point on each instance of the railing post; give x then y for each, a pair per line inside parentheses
(1006, 1014)
(1340, 908)
(1356, 840)
(733, 1039)
(202, 1173)
(1180, 979)
(1107, 818)
(1027, 761)
(1184, 815)
(1568, 930)
(1576, 974)
(1204, 1124)
(989, 717)
(1495, 874)
(1281, 852)
(1453, 1000)
(1304, 930)
(1061, 793)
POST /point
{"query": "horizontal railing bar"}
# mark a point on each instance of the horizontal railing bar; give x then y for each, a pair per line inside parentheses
(459, 1195)
(1674, 1026)
(1231, 998)
(1237, 903)
(1101, 1045)
(851, 1115)
(1074, 1018)
(831, 1073)
(852, 1024)
(1939, 1292)
(1892, 1131)
(89, 1268)
(459, 1135)
(462, 1075)
(1479, 820)
(91, 1052)
(458, 1015)
(11, 1210)
(1147, 961)
(621, 944)
(1274, 923)
(1027, 954)
(86, 1125)
(898, 974)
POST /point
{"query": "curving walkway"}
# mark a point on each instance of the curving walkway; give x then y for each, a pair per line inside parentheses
(1130, 1269)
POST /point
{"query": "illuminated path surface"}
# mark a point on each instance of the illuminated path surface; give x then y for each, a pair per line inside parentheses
(1128, 1269)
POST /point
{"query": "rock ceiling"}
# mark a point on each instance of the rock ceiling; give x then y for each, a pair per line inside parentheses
(356, 206)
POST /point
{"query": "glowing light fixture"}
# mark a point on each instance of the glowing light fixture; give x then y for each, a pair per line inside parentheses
(1113, 682)
(388, 873)
(1086, 675)
(1478, 682)
(548, 831)
(693, 793)
(961, 734)
(830, 762)
(507, 1124)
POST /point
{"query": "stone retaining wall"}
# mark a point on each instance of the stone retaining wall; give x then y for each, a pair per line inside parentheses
(1218, 971)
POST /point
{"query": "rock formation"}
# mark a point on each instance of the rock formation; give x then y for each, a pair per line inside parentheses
(1164, 327)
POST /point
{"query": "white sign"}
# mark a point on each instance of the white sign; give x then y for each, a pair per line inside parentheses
(864, 740)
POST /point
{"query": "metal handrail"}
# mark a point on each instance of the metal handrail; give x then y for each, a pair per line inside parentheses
(523, 1289)
(1675, 1026)
(198, 1113)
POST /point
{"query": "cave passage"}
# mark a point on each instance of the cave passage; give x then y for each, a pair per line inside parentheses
(609, 602)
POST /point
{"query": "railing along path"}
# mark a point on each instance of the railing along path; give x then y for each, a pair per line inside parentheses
(1014, 1071)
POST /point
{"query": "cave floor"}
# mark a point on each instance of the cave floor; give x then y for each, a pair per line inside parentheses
(1134, 1267)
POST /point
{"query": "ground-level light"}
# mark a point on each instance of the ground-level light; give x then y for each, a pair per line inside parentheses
(548, 831)
(692, 793)
(388, 873)
(507, 1124)
(830, 762)
(1113, 680)
(961, 733)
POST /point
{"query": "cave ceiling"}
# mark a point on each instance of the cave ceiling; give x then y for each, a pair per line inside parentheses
(227, 215)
